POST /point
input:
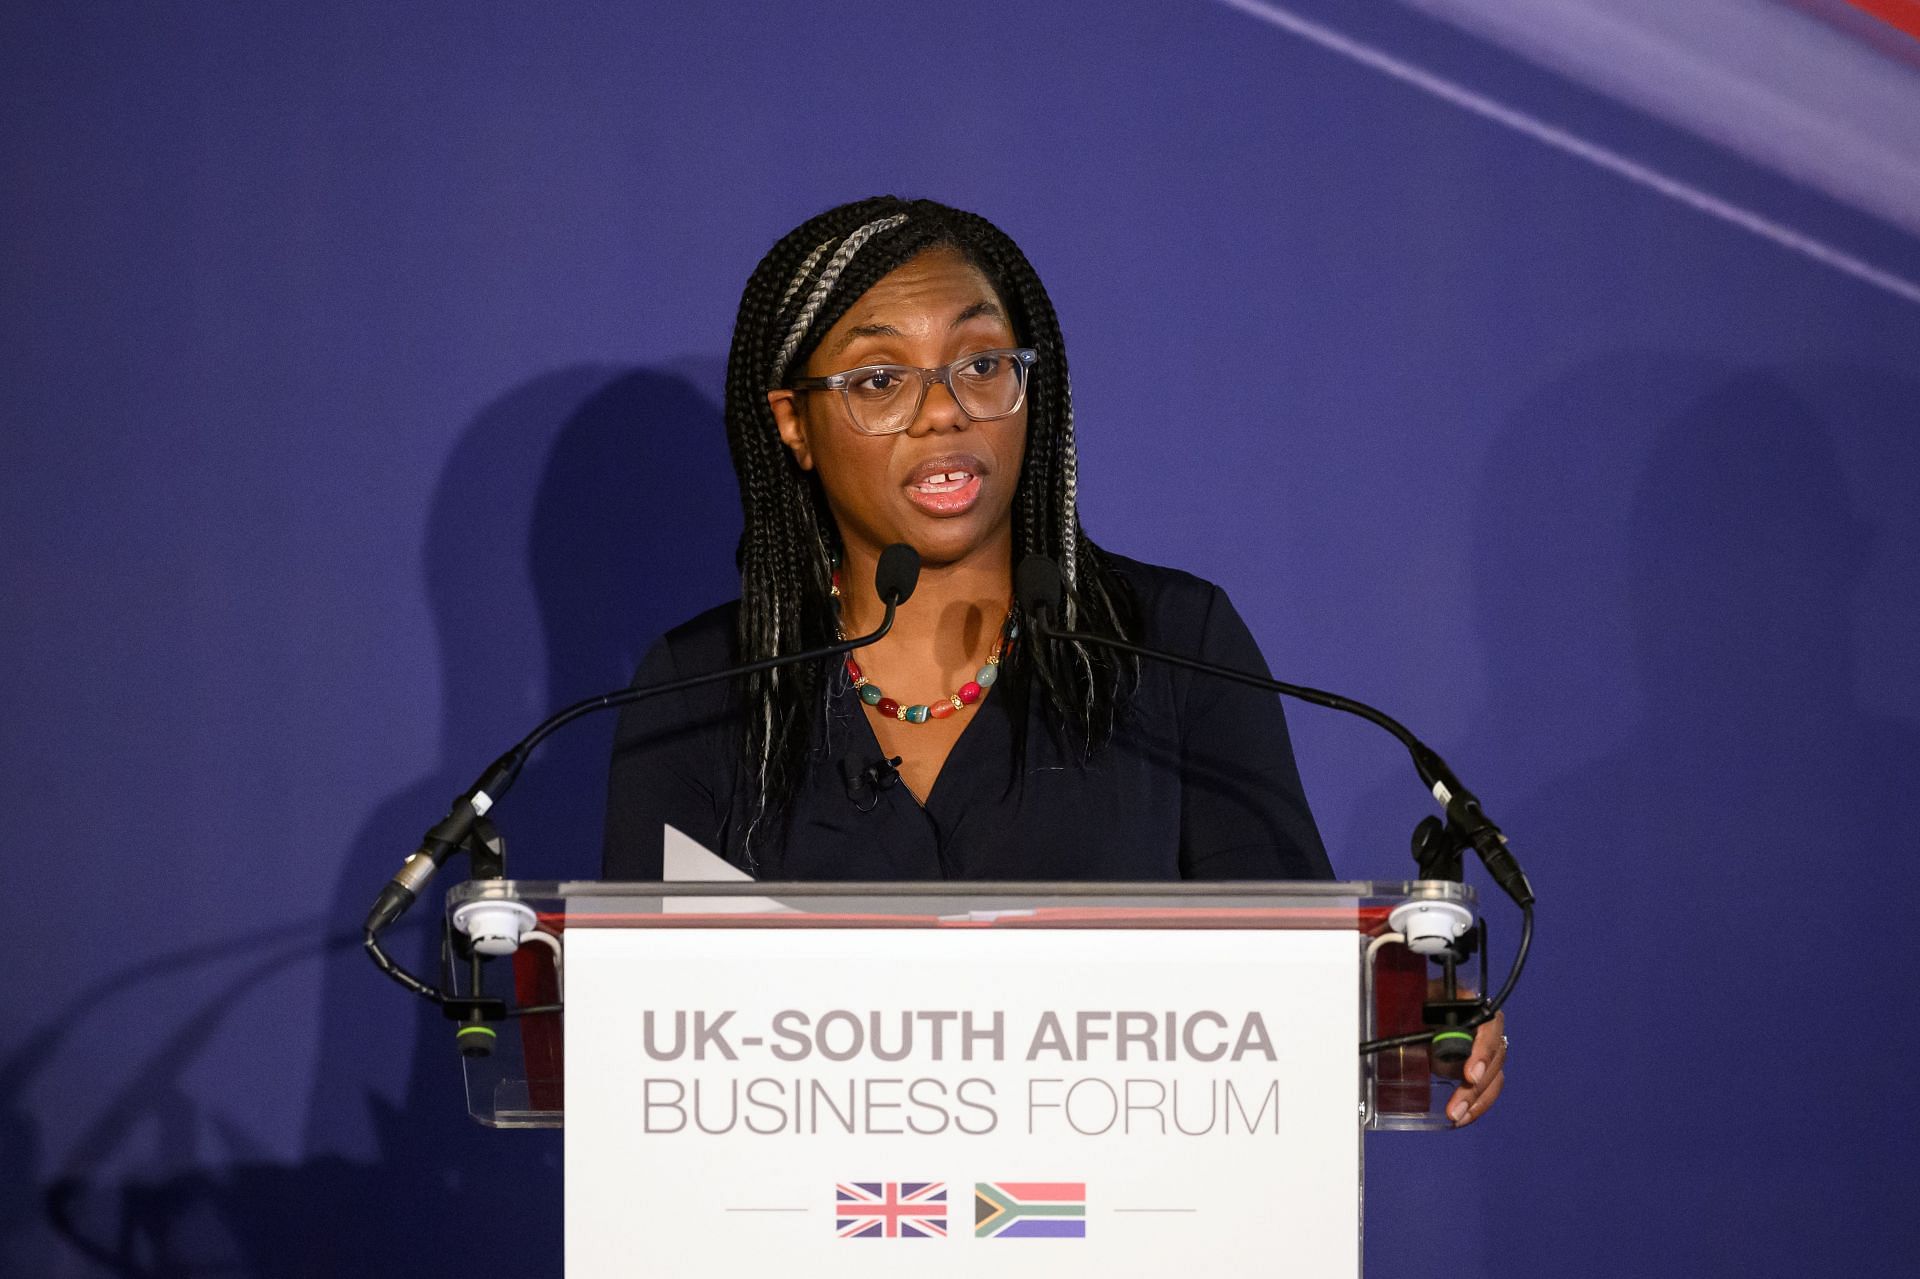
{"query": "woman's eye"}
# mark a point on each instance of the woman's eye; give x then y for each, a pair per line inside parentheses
(982, 366)
(876, 382)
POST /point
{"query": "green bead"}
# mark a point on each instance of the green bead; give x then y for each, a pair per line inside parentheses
(987, 674)
(916, 714)
(870, 695)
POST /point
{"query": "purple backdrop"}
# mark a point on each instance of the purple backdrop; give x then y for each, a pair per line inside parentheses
(360, 404)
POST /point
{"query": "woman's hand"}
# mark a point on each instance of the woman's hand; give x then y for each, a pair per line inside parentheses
(1484, 1075)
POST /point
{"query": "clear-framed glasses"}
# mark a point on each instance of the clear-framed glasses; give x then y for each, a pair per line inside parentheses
(883, 399)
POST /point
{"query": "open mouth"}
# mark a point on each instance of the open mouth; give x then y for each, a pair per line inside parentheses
(945, 486)
(944, 482)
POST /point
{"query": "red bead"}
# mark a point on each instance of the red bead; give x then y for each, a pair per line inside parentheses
(940, 709)
(853, 670)
(969, 692)
(888, 707)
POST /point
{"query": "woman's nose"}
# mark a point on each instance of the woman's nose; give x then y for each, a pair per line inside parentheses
(939, 411)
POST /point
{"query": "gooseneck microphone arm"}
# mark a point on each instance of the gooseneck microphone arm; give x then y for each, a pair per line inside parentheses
(1039, 588)
(894, 579)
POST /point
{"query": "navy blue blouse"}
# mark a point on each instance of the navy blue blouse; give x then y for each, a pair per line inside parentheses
(1198, 782)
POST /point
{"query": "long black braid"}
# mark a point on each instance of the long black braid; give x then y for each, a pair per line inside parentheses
(798, 292)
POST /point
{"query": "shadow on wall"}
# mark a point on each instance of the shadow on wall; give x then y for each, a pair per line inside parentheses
(1549, 569)
(579, 516)
(1702, 1079)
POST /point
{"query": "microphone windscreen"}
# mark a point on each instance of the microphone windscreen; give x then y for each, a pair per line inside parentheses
(1038, 587)
(897, 575)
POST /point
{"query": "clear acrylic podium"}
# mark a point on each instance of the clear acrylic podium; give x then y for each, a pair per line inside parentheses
(1076, 1078)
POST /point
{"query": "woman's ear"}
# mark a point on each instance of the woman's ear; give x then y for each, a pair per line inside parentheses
(793, 430)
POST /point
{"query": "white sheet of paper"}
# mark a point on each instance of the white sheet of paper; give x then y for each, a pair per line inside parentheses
(684, 860)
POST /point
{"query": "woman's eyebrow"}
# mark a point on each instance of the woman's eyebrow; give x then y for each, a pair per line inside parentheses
(859, 331)
(984, 306)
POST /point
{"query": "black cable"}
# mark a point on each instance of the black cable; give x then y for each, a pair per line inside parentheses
(370, 941)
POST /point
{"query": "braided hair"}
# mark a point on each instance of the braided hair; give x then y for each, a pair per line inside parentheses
(803, 286)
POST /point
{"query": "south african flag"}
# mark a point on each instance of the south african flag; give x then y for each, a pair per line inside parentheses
(1030, 1209)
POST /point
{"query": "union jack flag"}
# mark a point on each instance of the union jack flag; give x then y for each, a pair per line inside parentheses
(890, 1209)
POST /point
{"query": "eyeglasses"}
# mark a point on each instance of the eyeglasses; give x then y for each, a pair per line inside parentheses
(883, 399)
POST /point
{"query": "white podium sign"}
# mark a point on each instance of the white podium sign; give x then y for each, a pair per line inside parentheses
(831, 1101)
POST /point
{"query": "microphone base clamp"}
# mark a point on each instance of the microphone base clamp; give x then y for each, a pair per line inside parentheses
(494, 927)
(1430, 927)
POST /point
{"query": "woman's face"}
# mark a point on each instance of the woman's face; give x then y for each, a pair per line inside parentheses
(945, 484)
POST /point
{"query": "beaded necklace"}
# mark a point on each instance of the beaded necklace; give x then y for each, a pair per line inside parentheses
(967, 694)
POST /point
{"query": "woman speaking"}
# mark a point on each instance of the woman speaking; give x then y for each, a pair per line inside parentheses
(897, 375)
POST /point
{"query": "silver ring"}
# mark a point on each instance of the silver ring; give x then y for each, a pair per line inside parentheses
(1503, 1043)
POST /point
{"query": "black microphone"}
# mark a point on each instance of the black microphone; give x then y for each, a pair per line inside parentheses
(894, 579)
(1039, 588)
(865, 784)
(897, 574)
